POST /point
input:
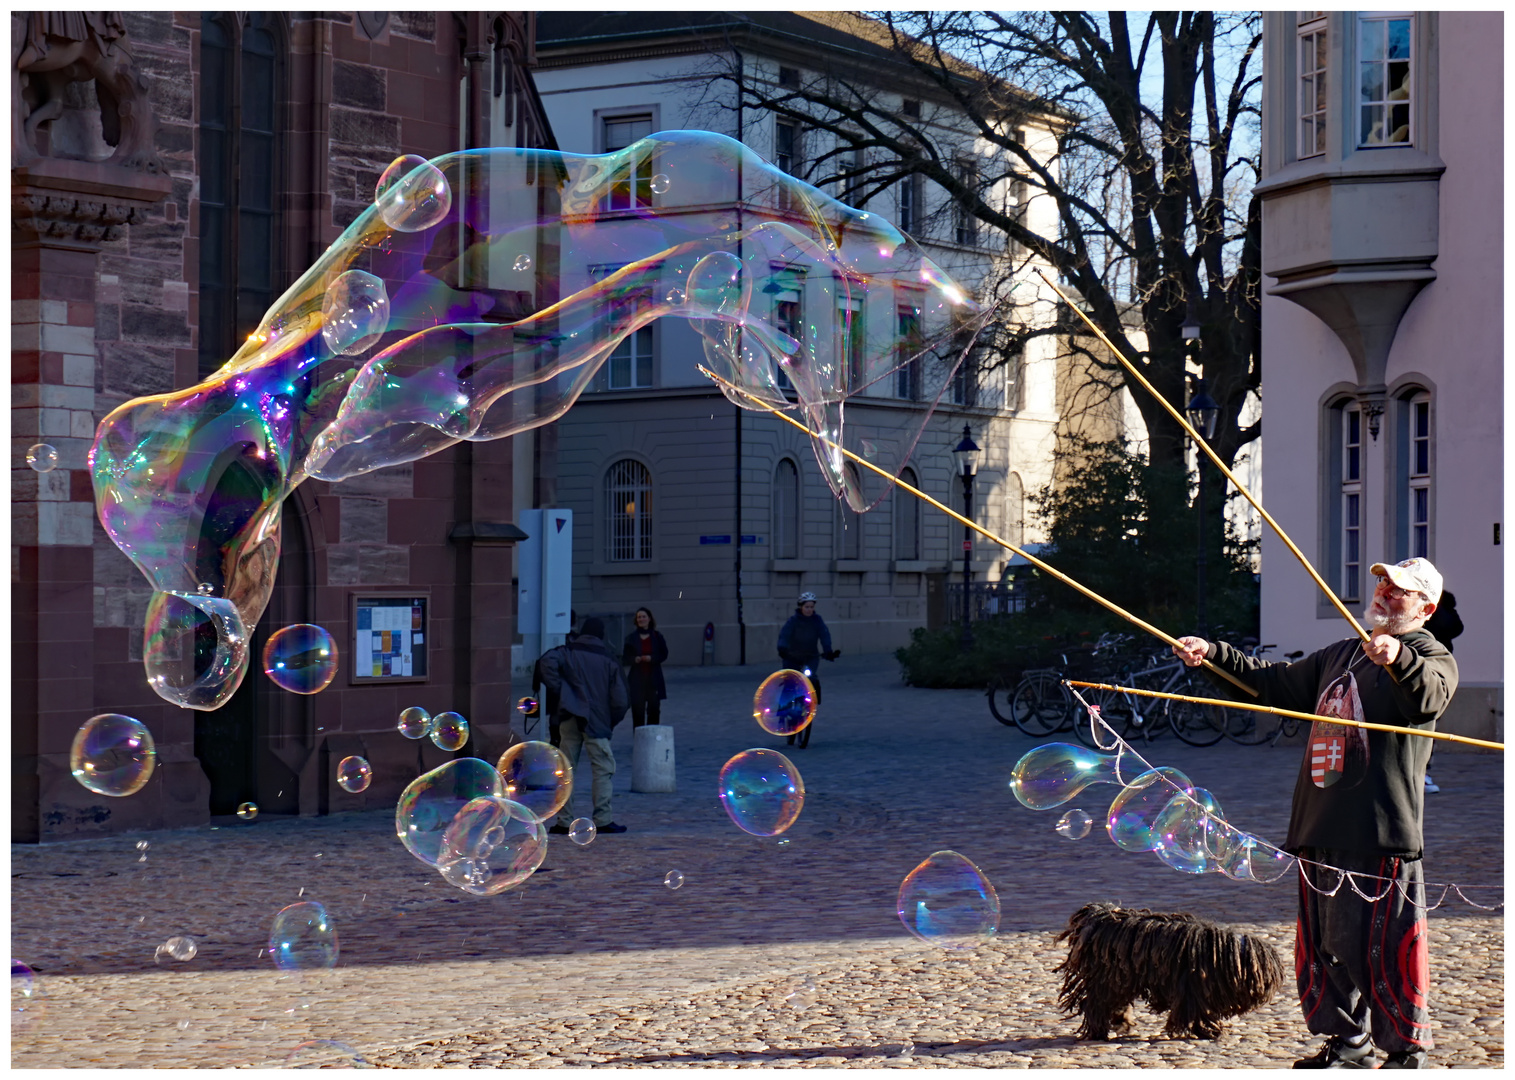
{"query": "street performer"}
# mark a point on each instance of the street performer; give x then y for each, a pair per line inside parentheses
(1362, 965)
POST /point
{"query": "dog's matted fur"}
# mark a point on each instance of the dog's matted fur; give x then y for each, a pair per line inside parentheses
(1196, 972)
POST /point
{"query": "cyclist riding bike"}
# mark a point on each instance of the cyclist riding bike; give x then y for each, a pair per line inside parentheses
(803, 640)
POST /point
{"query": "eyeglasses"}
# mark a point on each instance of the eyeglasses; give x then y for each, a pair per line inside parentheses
(1394, 592)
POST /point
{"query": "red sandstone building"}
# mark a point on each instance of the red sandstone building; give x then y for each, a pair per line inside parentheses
(172, 174)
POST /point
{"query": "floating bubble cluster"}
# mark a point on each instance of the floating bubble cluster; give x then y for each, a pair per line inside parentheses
(784, 703)
(112, 755)
(325, 1054)
(491, 845)
(477, 298)
(428, 805)
(354, 774)
(538, 776)
(948, 902)
(42, 457)
(762, 791)
(301, 658)
(303, 938)
(449, 730)
(1182, 829)
(1074, 825)
(415, 722)
(582, 831)
(1132, 820)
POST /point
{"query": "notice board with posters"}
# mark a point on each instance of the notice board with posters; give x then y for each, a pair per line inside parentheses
(390, 637)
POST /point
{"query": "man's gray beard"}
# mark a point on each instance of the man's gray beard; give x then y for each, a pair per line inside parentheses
(1393, 624)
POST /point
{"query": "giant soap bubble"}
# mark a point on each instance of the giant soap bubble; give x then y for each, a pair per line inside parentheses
(511, 275)
(1182, 828)
(761, 791)
(1133, 818)
(492, 845)
(948, 902)
(428, 805)
(1053, 773)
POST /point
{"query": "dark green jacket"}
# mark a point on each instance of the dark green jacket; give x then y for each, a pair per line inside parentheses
(1382, 814)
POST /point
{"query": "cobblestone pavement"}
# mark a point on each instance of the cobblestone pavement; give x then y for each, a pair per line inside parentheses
(595, 962)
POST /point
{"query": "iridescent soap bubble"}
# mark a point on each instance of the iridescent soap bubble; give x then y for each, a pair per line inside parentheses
(1133, 816)
(948, 902)
(491, 845)
(397, 169)
(112, 755)
(354, 774)
(1053, 773)
(1074, 825)
(194, 648)
(428, 805)
(527, 706)
(1241, 856)
(301, 658)
(27, 1007)
(43, 457)
(674, 879)
(538, 776)
(582, 831)
(177, 948)
(784, 703)
(660, 184)
(325, 1054)
(355, 313)
(761, 791)
(303, 938)
(1181, 832)
(718, 284)
(449, 730)
(247, 811)
(415, 722)
(522, 264)
(413, 199)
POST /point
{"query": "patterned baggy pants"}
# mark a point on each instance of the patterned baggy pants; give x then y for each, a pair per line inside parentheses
(1362, 965)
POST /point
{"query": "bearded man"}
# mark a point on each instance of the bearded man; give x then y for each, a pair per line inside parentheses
(1360, 953)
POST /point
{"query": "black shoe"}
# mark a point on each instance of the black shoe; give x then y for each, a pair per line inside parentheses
(612, 827)
(1405, 1059)
(559, 830)
(1339, 1054)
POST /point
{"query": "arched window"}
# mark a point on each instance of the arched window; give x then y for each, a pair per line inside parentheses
(786, 511)
(241, 101)
(1015, 510)
(628, 512)
(849, 521)
(1413, 461)
(907, 519)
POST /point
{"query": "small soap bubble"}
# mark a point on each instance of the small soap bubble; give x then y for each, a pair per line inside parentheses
(761, 791)
(1053, 773)
(354, 774)
(303, 938)
(183, 1024)
(142, 845)
(784, 703)
(400, 167)
(113, 755)
(948, 902)
(205, 588)
(527, 706)
(661, 183)
(717, 284)
(412, 197)
(354, 313)
(538, 776)
(581, 831)
(449, 730)
(492, 844)
(673, 879)
(802, 994)
(1074, 825)
(325, 1054)
(180, 948)
(431, 801)
(675, 296)
(43, 457)
(247, 811)
(522, 264)
(415, 723)
(301, 658)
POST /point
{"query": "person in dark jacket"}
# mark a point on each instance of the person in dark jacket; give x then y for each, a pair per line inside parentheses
(804, 639)
(643, 654)
(1361, 959)
(550, 704)
(592, 699)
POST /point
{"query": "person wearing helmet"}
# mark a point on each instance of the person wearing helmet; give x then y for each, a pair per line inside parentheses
(804, 639)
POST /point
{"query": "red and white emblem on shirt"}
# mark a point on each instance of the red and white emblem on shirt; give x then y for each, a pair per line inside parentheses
(1328, 758)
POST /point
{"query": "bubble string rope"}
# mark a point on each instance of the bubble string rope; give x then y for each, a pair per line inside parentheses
(1124, 749)
(1444, 736)
(1032, 559)
(1219, 464)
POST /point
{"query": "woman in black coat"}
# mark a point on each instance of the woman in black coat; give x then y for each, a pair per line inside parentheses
(643, 654)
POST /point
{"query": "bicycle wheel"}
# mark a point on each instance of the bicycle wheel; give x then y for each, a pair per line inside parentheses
(1197, 725)
(1001, 695)
(1040, 706)
(1247, 727)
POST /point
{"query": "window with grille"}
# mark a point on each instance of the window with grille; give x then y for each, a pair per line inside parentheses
(1413, 475)
(849, 521)
(1383, 69)
(910, 204)
(788, 287)
(631, 187)
(850, 329)
(630, 366)
(1312, 83)
(786, 511)
(628, 512)
(907, 519)
(907, 375)
(1351, 503)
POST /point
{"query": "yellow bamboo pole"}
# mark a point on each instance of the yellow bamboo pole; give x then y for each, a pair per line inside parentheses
(1032, 559)
(1229, 475)
(1444, 736)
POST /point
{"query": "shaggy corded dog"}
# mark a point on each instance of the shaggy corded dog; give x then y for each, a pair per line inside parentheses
(1196, 972)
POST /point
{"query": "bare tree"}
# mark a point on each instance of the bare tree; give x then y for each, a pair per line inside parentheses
(1156, 152)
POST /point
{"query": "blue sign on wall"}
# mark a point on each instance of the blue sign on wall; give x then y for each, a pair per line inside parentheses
(715, 539)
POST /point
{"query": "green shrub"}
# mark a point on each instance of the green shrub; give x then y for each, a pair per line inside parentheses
(1002, 648)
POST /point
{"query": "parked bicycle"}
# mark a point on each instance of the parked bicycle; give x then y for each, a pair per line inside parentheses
(1130, 715)
(1253, 728)
(1041, 705)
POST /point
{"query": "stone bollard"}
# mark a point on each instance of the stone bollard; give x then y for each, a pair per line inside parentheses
(652, 758)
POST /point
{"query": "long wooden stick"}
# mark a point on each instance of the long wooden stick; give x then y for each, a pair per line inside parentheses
(1287, 712)
(1032, 559)
(1229, 475)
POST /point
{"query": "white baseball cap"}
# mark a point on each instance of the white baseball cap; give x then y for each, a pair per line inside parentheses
(1412, 575)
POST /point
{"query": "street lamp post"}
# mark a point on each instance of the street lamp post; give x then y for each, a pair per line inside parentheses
(1203, 414)
(967, 453)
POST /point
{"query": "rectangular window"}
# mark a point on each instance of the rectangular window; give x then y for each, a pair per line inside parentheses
(965, 221)
(910, 204)
(907, 375)
(788, 312)
(629, 367)
(907, 520)
(632, 186)
(1312, 83)
(786, 145)
(849, 522)
(1383, 70)
(849, 329)
(1351, 504)
(1420, 477)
